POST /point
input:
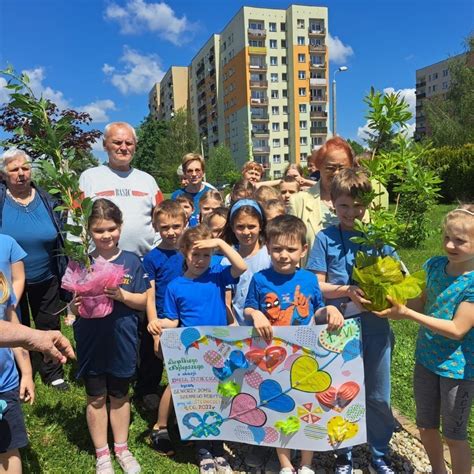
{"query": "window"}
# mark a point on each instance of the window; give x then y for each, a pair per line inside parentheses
(434, 87)
(300, 40)
(445, 72)
(435, 76)
(301, 74)
(275, 126)
(255, 26)
(273, 61)
(287, 157)
(283, 26)
(285, 110)
(284, 77)
(303, 141)
(303, 156)
(285, 125)
(275, 110)
(272, 27)
(302, 91)
(285, 142)
(303, 124)
(274, 94)
(276, 143)
(303, 108)
(283, 43)
(445, 85)
(256, 43)
(429, 88)
(301, 58)
(284, 93)
(283, 59)
(276, 159)
(273, 44)
(277, 174)
(300, 23)
(273, 77)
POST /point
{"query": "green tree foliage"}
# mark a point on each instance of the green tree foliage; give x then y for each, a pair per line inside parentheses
(356, 146)
(220, 167)
(451, 119)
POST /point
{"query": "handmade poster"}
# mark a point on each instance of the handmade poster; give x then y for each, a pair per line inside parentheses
(303, 390)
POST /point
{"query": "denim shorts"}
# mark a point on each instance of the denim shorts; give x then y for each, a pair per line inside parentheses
(442, 398)
(12, 425)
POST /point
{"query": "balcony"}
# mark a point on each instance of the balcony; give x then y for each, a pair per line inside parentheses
(259, 102)
(316, 32)
(263, 160)
(318, 113)
(257, 50)
(258, 84)
(259, 117)
(420, 84)
(261, 149)
(317, 48)
(319, 130)
(262, 132)
(317, 66)
(317, 81)
(258, 67)
(420, 95)
(201, 82)
(256, 33)
(318, 98)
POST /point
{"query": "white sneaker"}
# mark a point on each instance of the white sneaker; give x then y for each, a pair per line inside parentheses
(305, 470)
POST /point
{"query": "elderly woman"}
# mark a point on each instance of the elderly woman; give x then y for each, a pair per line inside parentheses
(314, 206)
(27, 214)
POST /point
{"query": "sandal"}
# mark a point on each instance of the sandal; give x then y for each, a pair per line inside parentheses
(207, 466)
(161, 442)
(222, 466)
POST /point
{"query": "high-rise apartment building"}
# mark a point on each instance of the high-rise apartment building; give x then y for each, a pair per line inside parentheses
(170, 94)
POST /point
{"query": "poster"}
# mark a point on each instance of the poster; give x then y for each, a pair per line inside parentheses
(303, 390)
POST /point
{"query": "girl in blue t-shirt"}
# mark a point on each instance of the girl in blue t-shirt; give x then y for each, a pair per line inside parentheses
(198, 299)
(245, 229)
(107, 347)
(444, 370)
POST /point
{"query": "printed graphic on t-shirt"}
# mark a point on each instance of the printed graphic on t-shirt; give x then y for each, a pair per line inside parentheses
(291, 310)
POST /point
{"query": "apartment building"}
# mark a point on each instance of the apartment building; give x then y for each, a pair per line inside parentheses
(261, 86)
(431, 81)
(170, 94)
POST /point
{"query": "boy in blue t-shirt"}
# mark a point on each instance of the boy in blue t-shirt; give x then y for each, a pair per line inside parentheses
(285, 295)
(13, 389)
(332, 259)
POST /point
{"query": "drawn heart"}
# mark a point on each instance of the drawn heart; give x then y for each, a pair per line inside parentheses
(189, 336)
(267, 359)
(243, 434)
(258, 433)
(253, 379)
(338, 399)
(355, 412)
(271, 435)
(305, 336)
(170, 339)
(214, 359)
(336, 340)
(273, 398)
(244, 409)
(340, 430)
(305, 376)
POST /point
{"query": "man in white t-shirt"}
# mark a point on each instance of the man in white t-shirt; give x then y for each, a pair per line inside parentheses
(135, 192)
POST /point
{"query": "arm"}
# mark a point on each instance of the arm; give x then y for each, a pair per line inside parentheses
(136, 301)
(331, 291)
(260, 323)
(231, 321)
(457, 328)
(332, 316)
(18, 279)
(273, 182)
(154, 326)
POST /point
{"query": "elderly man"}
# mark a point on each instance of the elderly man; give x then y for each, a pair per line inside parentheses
(135, 192)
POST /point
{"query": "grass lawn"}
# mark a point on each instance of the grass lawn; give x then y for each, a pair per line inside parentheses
(57, 427)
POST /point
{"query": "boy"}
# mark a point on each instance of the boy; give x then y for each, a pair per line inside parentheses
(332, 259)
(288, 186)
(163, 264)
(285, 295)
(187, 204)
(13, 389)
(274, 208)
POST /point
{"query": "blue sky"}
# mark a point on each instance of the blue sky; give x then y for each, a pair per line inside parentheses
(104, 56)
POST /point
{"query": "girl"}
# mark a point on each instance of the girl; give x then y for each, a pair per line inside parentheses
(245, 229)
(197, 299)
(444, 370)
(242, 189)
(216, 221)
(209, 201)
(107, 347)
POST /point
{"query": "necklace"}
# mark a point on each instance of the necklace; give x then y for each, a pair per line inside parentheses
(22, 201)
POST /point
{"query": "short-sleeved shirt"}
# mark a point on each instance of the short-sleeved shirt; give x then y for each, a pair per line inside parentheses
(194, 196)
(109, 345)
(334, 254)
(286, 300)
(163, 266)
(444, 293)
(199, 301)
(260, 261)
(10, 252)
(9, 378)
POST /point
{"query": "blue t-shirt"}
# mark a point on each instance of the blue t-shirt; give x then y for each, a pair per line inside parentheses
(31, 226)
(334, 254)
(162, 266)
(194, 196)
(9, 378)
(286, 300)
(109, 345)
(193, 220)
(199, 301)
(444, 293)
(10, 252)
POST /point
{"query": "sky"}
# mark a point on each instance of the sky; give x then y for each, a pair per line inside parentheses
(103, 56)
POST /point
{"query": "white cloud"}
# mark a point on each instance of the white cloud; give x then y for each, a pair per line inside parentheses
(139, 74)
(138, 15)
(36, 83)
(4, 92)
(338, 51)
(98, 109)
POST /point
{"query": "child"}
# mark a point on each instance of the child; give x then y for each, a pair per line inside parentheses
(14, 388)
(314, 173)
(188, 207)
(216, 222)
(197, 299)
(245, 229)
(107, 347)
(444, 370)
(332, 259)
(242, 189)
(163, 264)
(288, 186)
(273, 208)
(285, 295)
(209, 201)
(265, 193)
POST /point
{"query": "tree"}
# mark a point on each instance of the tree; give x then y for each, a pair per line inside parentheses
(220, 168)
(450, 118)
(356, 146)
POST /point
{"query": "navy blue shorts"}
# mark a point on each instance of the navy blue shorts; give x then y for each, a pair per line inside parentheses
(106, 384)
(12, 425)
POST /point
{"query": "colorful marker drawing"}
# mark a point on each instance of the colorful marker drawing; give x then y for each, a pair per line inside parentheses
(302, 390)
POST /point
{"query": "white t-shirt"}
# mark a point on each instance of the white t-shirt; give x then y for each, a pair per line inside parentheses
(136, 193)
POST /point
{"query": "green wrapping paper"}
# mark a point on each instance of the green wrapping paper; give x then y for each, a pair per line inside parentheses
(380, 277)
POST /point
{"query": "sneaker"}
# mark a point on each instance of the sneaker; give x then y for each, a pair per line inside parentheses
(103, 465)
(343, 465)
(305, 470)
(222, 466)
(207, 466)
(128, 463)
(286, 470)
(380, 466)
(60, 384)
(256, 456)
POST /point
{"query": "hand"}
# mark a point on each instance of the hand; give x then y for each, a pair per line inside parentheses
(396, 311)
(301, 302)
(75, 304)
(357, 294)
(27, 389)
(154, 327)
(262, 325)
(156, 347)
(207, 244)
(114, 293)
(52, 344)
(335, 319)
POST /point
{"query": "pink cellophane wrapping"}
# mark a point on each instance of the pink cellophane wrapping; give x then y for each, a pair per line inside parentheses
(90, 284)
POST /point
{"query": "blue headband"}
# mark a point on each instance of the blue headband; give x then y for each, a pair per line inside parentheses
(245, 202)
